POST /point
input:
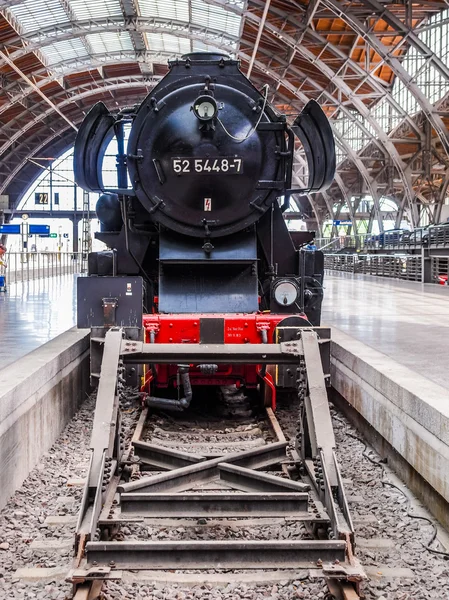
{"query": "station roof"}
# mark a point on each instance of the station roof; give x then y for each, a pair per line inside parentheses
(59, 57)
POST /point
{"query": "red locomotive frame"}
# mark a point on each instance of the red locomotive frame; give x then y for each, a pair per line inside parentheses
(240, 328)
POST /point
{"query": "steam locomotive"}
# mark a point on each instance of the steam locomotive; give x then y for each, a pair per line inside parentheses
(199, 251)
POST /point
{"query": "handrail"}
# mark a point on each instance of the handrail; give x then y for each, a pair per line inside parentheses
(26, 266)
(405, 266)
(436, 236)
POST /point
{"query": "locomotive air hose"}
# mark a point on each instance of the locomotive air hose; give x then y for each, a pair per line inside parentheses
(171, 403)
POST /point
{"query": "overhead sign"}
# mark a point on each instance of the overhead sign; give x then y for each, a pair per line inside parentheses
(53, 235)
(10, 229)
(337, 222)
(41, 198)
(43, 230)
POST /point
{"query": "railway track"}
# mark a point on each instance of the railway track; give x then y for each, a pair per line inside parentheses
(390, 544)
(218, 487)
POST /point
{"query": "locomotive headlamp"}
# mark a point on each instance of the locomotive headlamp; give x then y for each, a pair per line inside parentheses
(285, 292)
(205, 108)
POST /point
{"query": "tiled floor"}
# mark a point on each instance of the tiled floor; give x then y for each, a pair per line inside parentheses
(404, 320)
(33, 313)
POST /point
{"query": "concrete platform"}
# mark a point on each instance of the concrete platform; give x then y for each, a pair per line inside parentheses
(39, 394)
(34, 312)
(389, 358)
(407, 321)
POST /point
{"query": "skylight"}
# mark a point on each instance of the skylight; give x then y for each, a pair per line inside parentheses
(167, 27)
(32, 15)
(102, 43)
(85, 9)
(64, 50)
(166, 42)
(179, 9)
(215, 17)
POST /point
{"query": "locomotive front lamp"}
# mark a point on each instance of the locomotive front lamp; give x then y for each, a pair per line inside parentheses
(285, 292)
(205, 108)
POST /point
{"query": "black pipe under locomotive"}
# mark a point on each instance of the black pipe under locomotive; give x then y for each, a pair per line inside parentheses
(199, 250)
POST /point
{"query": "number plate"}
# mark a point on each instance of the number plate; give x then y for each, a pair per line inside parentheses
(225, 165)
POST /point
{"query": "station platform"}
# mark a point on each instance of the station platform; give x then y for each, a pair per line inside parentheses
(35, 312)
(404, 320)
(389, 368)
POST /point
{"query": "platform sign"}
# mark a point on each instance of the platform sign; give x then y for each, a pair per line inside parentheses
(41, 198)
(42, 230)
(338, 222)
(10, 229)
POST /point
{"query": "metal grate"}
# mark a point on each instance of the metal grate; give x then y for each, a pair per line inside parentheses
(407, 268)
(436, 236)
(439, 266)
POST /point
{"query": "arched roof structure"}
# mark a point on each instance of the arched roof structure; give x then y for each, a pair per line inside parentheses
(362, 60)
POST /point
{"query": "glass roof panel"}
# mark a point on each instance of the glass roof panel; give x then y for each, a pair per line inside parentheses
(165, 9)
(111, 41)
(64, 50)
(84, 9)
(35, 14)
(165, 42)
(199, 46)
(215, 17)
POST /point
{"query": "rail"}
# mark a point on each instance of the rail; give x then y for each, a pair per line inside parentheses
(27, 266)
(405, 267)
(343, 242)
(431, 237)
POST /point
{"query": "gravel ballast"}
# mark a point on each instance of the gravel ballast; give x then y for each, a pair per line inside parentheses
(30, 535)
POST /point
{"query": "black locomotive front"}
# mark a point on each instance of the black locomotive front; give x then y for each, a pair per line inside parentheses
(201, 187)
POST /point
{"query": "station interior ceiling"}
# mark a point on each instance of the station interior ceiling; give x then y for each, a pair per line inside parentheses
(378, 68)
